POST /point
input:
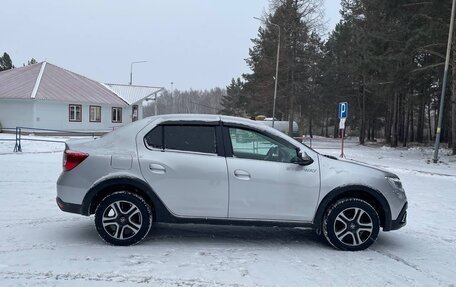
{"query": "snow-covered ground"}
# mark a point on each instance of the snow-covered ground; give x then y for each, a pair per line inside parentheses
(42, 246)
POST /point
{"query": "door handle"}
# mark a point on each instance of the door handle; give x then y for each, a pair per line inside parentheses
(157, 168)
(242, 174)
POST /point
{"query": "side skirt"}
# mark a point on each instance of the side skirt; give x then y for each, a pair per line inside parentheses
(170, 218)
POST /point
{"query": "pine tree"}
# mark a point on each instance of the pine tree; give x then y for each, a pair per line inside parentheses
(385, 58)
(295, 18)
(31, 62)
(234, 102)
(5, 62)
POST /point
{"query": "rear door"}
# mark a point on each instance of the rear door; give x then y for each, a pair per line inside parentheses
(184, 164)
(265, 182)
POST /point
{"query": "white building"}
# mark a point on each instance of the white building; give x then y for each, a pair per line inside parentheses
(49, 97)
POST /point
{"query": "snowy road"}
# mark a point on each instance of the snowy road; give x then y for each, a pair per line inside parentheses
(42, 246)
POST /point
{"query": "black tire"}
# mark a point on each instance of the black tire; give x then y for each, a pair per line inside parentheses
(123, 218)
(351, 224)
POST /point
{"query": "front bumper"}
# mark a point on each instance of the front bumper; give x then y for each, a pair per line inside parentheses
(69, 207)
(401, 220)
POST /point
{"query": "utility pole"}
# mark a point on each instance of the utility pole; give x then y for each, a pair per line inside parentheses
(277, 69)
(131, 70)
(444, 83)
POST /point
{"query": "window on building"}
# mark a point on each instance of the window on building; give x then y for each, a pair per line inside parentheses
(134, 113)
(116, 115)
(75, 113)
(95, 113)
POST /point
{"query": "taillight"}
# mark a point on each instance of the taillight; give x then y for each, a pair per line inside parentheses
(72, 159)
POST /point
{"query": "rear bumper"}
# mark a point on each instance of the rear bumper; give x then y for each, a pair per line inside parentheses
(401, 220)
(69, 207)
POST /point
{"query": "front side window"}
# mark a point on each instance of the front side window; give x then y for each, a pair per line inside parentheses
(95, 113)
(184, 138)
(116, 115)
(253, 145)
(75, 113)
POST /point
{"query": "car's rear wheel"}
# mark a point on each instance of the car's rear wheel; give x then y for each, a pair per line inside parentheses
(351, 224)
(123, 218)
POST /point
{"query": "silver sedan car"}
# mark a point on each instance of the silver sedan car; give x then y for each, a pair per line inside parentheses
(214, 169)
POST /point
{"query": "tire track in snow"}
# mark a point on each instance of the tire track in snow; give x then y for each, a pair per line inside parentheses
(409, 264)
(34, 222)
(31, 152)
(34, 247)
(117, 278)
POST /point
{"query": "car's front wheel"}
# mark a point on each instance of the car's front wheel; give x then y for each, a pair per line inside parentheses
(123, 218)
(351, 224)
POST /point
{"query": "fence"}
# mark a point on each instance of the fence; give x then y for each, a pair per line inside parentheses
(20, 130)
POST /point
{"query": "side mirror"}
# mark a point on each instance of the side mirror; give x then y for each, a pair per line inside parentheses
(303, 158)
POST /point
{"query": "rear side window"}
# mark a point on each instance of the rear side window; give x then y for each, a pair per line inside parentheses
(185, 138)
(154, 138)
(190, 138)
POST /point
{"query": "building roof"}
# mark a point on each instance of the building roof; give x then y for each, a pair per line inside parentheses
(18, 83)
(45, 81)
(133, 94)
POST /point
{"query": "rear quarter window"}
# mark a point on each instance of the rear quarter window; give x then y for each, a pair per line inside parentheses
(154, 139)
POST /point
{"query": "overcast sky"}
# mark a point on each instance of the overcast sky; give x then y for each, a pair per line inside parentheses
(196, 44)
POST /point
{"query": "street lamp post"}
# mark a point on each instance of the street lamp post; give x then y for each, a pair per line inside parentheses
(131, 70)
(442, 96)
(277, 70)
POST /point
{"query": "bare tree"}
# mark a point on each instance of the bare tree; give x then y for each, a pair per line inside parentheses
(187, 102)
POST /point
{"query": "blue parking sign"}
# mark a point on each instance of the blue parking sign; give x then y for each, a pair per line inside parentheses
(343, 110)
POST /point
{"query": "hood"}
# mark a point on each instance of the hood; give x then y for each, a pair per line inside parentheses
(351, 165)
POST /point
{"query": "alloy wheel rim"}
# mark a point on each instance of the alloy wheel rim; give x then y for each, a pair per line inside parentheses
(122, 220)
(353, 226)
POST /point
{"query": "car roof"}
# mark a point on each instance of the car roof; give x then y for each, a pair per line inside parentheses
(206, 117)
(194, 117)
(216, 118)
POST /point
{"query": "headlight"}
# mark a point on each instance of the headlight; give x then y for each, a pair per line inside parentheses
(395, 183)
(397, 186)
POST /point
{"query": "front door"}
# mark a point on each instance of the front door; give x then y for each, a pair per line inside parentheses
(265, 182)
(134, 113)
(185, 168)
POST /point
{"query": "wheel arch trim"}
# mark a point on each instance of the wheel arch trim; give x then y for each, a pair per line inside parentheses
(130, 182)
(340, 191)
